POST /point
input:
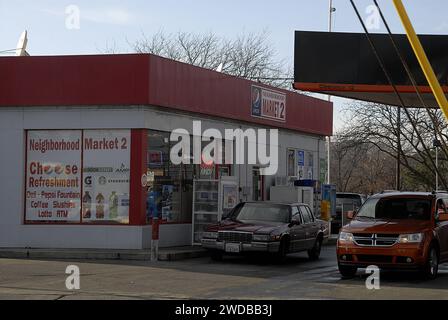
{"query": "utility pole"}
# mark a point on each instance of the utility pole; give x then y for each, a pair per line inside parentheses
(330, 17)
(437, 166)
(437, 144)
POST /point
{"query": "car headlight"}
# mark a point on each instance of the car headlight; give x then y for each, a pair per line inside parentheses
(345, 237)
(210, 235)
(411, 238)
(261, 237)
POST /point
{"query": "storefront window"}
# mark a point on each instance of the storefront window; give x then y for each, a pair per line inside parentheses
(257, 184)
(310, 166)
(291, 162)
(300, 164)
(323, 170)
(170, 187)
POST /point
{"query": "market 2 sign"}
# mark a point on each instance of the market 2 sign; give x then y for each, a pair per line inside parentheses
(69, 172)
(268, 104)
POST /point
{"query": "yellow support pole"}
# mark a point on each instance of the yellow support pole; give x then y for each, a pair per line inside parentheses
(422, 58)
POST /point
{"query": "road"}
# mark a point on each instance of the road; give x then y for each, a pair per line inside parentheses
(233, 278)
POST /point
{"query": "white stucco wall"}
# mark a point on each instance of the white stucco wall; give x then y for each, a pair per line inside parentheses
(14, 122)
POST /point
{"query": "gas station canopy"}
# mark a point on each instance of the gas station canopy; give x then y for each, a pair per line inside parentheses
(344, 64)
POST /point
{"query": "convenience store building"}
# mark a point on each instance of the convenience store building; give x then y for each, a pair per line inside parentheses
(85, 146)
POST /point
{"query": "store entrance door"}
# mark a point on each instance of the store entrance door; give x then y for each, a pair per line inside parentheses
(257, 185)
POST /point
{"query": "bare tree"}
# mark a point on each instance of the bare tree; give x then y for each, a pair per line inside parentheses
(360, 167)
(249, 56)
(346, 156)
(376, 171)
(377, 125)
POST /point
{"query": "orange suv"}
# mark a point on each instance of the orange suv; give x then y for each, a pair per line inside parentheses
(399, 230)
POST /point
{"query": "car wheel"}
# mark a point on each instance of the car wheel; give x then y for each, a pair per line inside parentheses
(282, 250)
(347, 271)
(216, 255)
(432, 264)
(314, 253)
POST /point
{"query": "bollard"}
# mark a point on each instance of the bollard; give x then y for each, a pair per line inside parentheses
(325, 212)
(155, 240)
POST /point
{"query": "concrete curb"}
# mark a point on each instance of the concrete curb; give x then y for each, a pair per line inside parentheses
(165, 254)
(168, 254)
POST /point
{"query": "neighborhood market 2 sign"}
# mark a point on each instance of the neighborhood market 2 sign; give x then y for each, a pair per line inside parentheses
(74, 171)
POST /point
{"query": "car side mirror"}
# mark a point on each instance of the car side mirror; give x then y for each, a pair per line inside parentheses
(294, 223)
(351, 214)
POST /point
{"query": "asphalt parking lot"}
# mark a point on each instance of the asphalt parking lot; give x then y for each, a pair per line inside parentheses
(202, 278)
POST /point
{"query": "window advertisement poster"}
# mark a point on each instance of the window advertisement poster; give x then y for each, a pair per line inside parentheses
(268, 104)
(310, 166)
(230, 195)
(301, 164)
(154, 158)
(290, 162)
(207, 170)
(152, 205)
(323, 170)
(53, 176)
(167, 203)
(301, 172)
(106, 175)
(300, 158)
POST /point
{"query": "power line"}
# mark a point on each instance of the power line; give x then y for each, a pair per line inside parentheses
(10, 50)
(411, 77)
(268, 78)
(389, 79)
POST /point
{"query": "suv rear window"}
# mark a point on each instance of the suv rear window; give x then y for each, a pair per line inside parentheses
(397, 208)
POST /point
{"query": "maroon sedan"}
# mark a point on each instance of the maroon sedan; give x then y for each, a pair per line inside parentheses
(278, 228)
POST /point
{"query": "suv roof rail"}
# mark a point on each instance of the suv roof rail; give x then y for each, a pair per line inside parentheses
(439, 191)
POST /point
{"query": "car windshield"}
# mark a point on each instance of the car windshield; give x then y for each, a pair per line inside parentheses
(263, 212)
(396, 208)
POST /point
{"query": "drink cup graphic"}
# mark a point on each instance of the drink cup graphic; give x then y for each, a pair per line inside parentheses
(99, 206)
(86, 206)
(113, 205)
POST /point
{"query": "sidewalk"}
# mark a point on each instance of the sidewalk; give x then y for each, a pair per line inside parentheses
(165, 254)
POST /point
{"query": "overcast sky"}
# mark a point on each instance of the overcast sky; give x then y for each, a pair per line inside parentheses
(107, 22)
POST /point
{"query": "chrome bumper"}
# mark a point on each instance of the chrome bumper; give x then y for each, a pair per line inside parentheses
(213, 244)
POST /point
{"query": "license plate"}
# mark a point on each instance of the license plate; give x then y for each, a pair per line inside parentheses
(233, 247)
